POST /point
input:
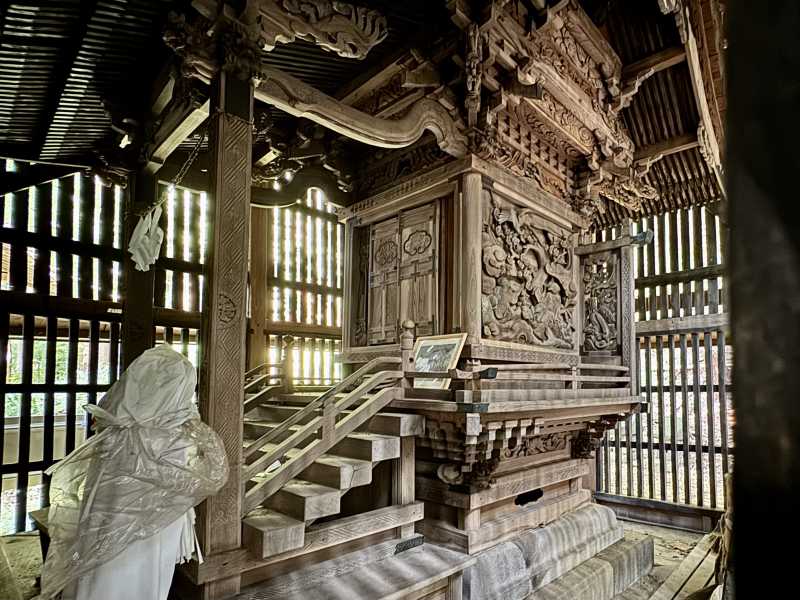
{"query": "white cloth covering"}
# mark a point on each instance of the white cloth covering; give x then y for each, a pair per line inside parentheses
(121, 511)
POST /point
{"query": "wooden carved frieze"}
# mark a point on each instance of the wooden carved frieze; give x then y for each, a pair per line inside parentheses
(537, 444)
(600, 298)
(528, 290)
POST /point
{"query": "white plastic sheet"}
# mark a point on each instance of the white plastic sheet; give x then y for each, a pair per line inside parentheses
(151, 460)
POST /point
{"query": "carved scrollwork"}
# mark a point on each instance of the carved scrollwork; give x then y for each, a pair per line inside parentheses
(539, 444)
(528, 293)
(600, 303)
(386, 253)
(417, 243)
(349, 31)
(474, 69)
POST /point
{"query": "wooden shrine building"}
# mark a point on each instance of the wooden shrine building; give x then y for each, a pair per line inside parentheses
(451, 272)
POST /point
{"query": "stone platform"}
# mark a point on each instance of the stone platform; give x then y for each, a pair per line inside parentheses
(580, 556)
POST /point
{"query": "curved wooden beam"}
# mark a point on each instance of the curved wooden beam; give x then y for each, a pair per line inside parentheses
(301, 100)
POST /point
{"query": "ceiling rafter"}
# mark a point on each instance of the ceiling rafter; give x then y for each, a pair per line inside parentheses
(62, 74)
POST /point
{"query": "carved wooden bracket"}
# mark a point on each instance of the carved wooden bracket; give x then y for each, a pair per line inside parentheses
(301, 100)
(349, 31)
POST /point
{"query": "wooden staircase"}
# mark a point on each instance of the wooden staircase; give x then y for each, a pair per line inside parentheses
(304, 450)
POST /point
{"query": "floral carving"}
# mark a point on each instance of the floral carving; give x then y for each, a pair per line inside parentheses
(528, 292)
(600, 304)
(417, 243)
(386, 253)
(538, 444)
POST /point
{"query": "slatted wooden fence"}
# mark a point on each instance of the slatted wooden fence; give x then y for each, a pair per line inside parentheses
(304, 287)
(679, 449)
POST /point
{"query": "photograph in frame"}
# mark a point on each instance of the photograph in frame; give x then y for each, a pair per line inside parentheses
(437, 353)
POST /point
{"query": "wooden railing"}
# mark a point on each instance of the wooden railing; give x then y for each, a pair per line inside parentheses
(328, 419)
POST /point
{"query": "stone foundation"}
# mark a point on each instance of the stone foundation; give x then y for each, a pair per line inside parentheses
(581, 555)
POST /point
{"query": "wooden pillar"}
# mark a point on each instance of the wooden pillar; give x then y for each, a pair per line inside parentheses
(137, 287)
(222, 376)
(471, 229)
(259, 296)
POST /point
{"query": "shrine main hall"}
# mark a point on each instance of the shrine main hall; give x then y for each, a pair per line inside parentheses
(431, 299)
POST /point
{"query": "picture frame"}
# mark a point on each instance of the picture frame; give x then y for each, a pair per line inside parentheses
(437, 353)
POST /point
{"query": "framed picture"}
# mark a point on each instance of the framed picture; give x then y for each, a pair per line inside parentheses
(437, 353)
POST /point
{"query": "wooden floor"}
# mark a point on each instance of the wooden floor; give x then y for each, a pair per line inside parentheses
(672, 547)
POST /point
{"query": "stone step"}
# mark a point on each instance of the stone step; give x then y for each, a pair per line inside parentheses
(386, 423)
(266, 532)
(304, 500)
(380, 572)
(604, 576)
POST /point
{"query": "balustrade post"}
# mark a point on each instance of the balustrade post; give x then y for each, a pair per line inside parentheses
(407, 352)
(288, 364)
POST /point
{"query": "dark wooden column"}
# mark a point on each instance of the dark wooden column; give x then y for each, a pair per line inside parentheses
(259, 293)
(224, 318)
(763, 130)
(137, 292)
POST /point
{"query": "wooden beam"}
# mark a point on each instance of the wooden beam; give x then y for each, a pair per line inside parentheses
(30, 176)
(673, 145)
(183, 115)
(706, 133)
(658, 61)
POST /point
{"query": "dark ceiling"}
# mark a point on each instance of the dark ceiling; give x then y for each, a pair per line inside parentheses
(67, 65)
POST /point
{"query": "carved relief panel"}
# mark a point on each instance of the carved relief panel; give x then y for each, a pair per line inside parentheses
(403, 274)
(600, 303)
(528, 288)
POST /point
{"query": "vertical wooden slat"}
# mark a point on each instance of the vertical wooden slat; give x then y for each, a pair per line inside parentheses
(698, 422)
(711, 249)
(94, 355)
(72, 380)
(673, 416)
(107, 212)
(649, 388)
(177, 276)
(662, 459)
(607, 463)
(49, 404)
(18, 261)
(617, 459)
(723, 399)
(86, 263)
(674, 251)
(598, 466)
(685, 417)
(686, 249)
(24, 449)
(699, 294)
(44, 210)
(712, 457)
(660, 304)
(628, 455)
(639, 463)
(66, 187)
(113, 354)
(4, 317)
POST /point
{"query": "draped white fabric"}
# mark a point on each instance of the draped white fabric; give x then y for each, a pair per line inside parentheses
(121, 504)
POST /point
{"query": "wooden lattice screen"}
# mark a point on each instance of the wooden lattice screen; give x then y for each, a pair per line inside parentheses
(60, 316)
(304, 286)
(680, 449)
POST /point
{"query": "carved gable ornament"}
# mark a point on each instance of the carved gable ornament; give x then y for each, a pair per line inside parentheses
(555, 88)
(528, 292)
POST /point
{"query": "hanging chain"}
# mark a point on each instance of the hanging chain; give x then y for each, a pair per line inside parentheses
(178, 177)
